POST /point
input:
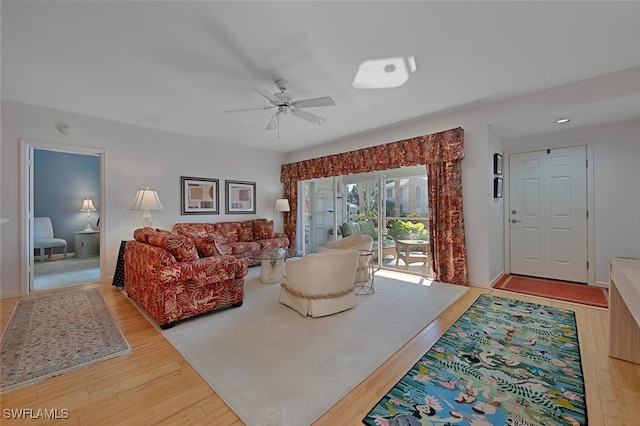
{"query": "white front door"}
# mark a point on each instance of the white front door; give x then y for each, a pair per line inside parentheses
(548, 214)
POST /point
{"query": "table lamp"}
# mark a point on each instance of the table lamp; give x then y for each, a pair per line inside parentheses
(146, 200)
(87, 206)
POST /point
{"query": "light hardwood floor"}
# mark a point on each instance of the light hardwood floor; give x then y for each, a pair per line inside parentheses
(155, 385)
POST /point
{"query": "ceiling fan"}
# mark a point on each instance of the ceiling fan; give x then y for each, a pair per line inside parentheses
(286, 103)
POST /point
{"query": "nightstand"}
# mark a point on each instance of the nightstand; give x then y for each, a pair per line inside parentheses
(87, 243)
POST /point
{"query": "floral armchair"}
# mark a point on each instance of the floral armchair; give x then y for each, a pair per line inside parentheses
(165, 275)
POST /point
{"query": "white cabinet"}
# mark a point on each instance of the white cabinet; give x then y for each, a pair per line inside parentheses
(87, 243)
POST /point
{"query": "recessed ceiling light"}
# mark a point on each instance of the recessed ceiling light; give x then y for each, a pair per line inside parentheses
(562, 120)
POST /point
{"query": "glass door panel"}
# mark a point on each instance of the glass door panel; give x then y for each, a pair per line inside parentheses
(391, 206)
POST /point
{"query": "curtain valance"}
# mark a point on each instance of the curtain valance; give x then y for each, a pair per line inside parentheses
(441, 147)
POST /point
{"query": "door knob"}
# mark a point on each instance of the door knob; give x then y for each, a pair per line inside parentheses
(515, 221)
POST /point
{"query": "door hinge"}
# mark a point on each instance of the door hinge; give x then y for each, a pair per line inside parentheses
(587, 214)
(587, 264)
(586, 163)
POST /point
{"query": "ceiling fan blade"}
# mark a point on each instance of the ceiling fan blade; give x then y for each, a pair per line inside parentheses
(269, 96)
(315, 102)
(233, 111)
(311, 118)
(273, 123)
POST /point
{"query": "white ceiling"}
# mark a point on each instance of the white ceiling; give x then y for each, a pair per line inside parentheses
(177, 66)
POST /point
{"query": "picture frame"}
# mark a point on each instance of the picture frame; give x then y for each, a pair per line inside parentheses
(240, 197)
(497, 187)
(199, 195)
(497, 164)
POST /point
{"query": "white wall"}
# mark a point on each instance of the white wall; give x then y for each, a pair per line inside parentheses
(616, 152)
(135, 157)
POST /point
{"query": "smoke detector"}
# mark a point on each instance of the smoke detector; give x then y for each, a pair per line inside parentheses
(66, 128)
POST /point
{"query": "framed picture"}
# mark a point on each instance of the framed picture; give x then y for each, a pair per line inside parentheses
(199, 195)
(497, 164)
(240, 197)
(497, 187)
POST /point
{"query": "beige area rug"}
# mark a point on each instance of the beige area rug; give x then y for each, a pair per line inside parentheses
(50, 335)
(274, 367)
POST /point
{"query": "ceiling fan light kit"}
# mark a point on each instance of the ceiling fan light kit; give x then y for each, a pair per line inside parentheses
(287, 103)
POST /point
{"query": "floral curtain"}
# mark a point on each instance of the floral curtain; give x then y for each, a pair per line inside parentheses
(441, 152)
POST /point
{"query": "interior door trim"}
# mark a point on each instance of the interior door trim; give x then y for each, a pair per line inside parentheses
(26, 203)
(590, 202)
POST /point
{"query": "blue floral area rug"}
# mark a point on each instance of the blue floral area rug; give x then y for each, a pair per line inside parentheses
(503, 362)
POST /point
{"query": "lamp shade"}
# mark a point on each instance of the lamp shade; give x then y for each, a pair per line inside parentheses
(146, 199)
(282, 205)
(87, 205)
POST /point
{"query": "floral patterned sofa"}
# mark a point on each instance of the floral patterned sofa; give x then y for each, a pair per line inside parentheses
(169, 279)
(233, 238)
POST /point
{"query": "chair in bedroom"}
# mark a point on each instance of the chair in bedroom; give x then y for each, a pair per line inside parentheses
(43, 237)
(320, 284)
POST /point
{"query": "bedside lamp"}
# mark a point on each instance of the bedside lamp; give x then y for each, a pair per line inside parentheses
(146, 200)
(87, 206)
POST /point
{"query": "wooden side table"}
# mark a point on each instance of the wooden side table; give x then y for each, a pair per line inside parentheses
(412, 251)
(364, 274)
(87, 243)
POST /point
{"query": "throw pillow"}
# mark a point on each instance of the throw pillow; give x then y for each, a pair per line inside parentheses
(205, 246)
(245, 234)
(263, 230)
(183, 248)
(142, 234)
(221, 243)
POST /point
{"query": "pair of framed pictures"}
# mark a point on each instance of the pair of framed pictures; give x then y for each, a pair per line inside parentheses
(497, 180)
(202, 195)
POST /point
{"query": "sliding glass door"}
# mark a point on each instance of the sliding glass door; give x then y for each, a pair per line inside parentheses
(391, 206)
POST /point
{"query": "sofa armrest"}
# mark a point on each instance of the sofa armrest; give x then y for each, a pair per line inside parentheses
(203, 271)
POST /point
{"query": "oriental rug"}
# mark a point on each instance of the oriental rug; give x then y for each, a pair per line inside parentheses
(557, 290)
(503, 362)
(50, 335)
(272, 366)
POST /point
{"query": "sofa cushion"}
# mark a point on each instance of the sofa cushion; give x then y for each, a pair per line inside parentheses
(182, 247)
(263, 230)
(349, 229)
(245, 234)
(369, 229)
(230, 230)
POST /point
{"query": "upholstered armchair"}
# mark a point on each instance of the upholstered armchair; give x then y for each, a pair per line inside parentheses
(356, 242)
(353, 242)
(367, 228)
(320, 284)
(43, 237)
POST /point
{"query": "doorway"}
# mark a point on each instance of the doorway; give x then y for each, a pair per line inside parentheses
(548, 214)
(64, 185)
